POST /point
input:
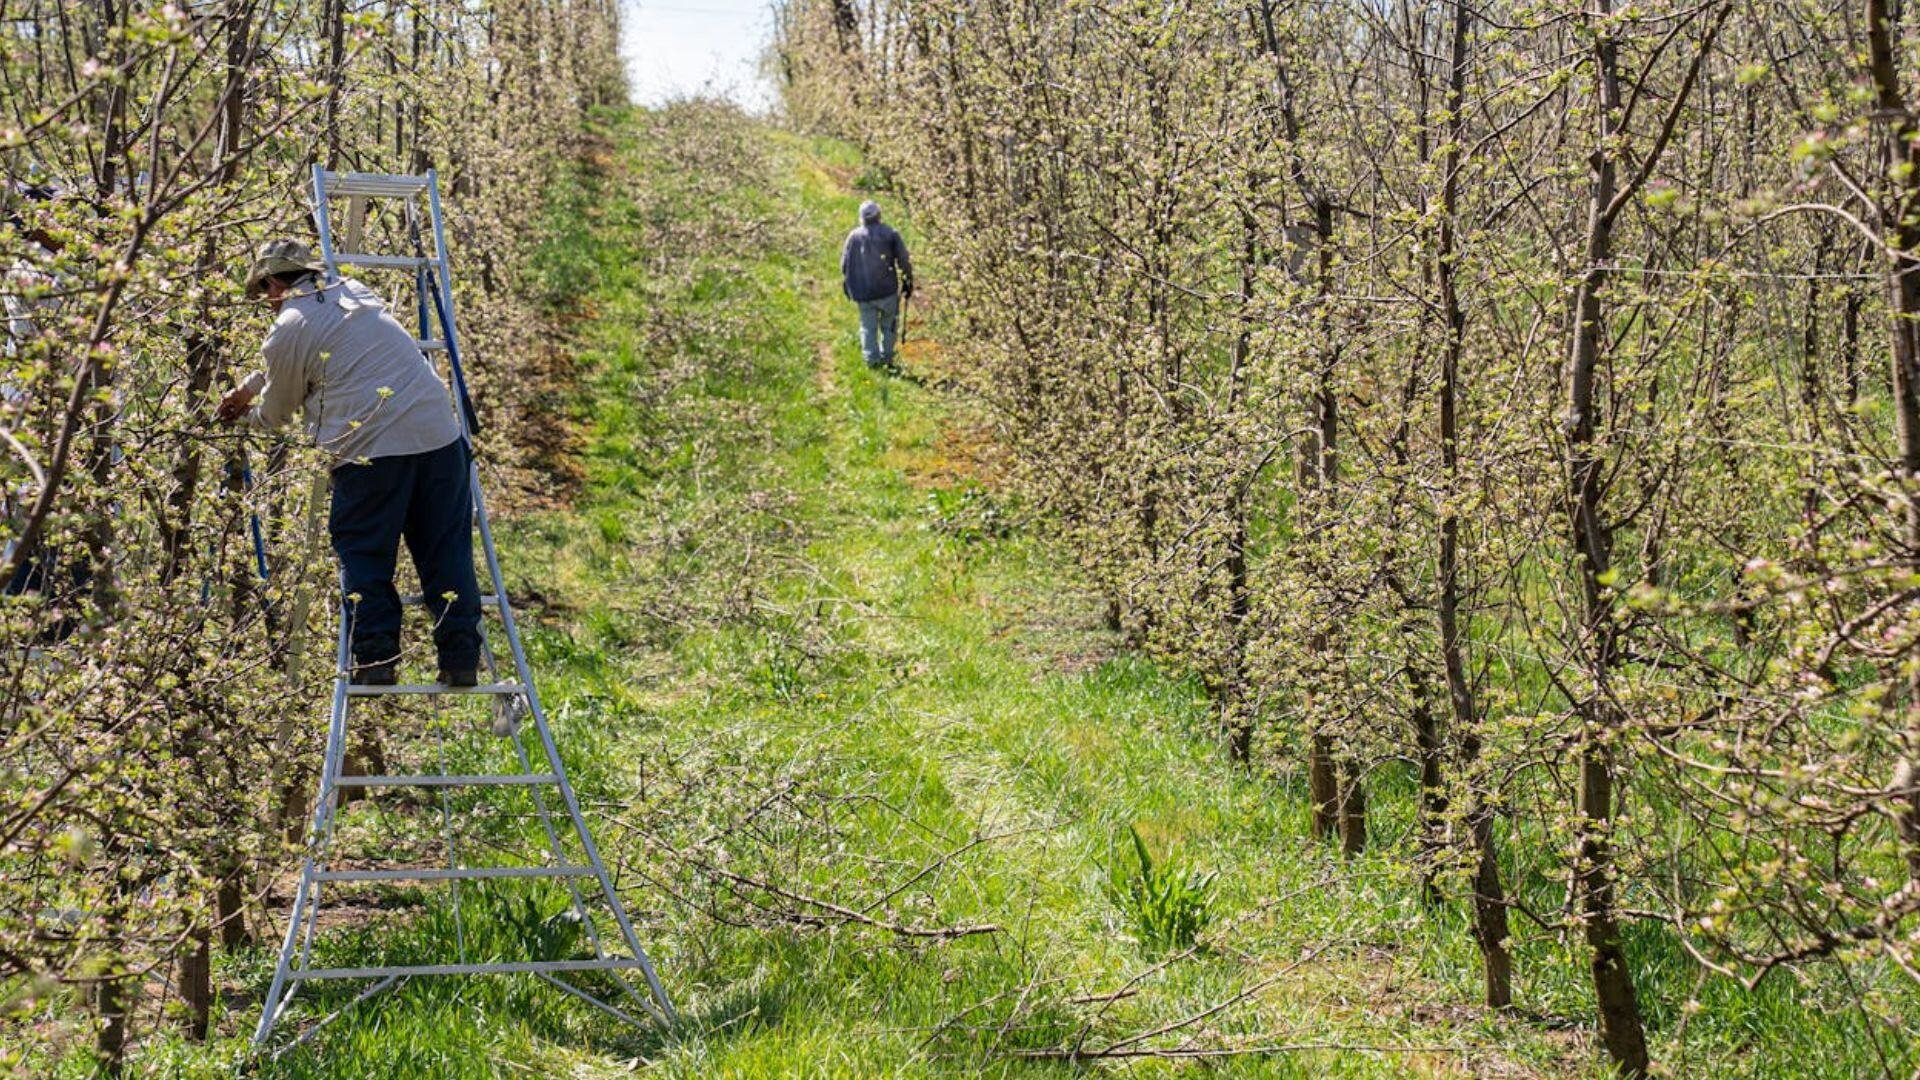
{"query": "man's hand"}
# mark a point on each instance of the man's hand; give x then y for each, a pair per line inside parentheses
(235, 404)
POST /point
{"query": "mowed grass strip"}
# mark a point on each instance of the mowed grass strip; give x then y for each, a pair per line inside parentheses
(966, 727)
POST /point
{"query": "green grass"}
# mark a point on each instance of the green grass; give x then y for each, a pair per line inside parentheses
(783, 644)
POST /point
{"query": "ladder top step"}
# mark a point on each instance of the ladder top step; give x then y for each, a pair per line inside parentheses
(375, 185)
(466, 873)
(502, 689)
(510, 780)
(397, 262)
(533, 967)
(431, 344)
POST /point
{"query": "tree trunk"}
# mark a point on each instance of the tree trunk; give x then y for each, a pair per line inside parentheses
(333, 19)
(1903, 288)
(196, 983)
(206, 344)
(230, 910)
(1238, 725)
(1323, 787)
(1353, 808)
(846, 24)
(1621, 1029)
(1433, 790)
(1490, 929)
(1339, 809)
(1318, 465)
(110, 997)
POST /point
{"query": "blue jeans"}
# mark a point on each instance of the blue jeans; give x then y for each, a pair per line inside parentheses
(879, 322)
(426, 500)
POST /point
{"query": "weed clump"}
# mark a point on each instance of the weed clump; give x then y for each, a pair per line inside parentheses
(968, 514)
(1168, 903)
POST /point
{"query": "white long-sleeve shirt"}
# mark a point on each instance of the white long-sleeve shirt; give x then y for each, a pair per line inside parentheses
(337, 355)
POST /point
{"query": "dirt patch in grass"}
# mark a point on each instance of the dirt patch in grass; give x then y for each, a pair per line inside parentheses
(966, 450)
(550, 446)
(825, 378)
(962, 455)
(597, 151)
(843, 176)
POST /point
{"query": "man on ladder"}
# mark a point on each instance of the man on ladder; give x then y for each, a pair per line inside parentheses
(372, 401)
(403, 470)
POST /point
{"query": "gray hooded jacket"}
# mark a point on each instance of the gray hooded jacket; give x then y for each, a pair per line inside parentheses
(874, 263)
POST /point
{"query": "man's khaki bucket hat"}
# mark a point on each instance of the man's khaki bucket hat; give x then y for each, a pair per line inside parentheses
(279, 257)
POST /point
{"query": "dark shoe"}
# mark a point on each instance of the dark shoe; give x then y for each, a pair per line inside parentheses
(461, 677)
(375, 675)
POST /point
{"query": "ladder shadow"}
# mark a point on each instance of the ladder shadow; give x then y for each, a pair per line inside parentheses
(734, 1013)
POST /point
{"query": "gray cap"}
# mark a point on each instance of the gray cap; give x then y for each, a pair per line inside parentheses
(279, 257)
(869, 211)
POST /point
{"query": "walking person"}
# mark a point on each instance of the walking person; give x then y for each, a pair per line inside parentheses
(876, 274)
(401, 461)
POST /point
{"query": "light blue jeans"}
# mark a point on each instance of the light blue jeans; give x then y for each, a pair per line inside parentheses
(879, 322)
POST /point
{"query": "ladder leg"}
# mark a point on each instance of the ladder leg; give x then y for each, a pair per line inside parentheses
(325, 813)
(270, 1009)
(594, 859)
(295, 947)
(507, 711)
(554, 846)
(507, 706)
(567, 796)
(336, 1014)
(446, 829)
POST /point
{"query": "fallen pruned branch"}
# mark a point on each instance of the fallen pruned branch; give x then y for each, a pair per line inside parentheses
(1193, 1053)
(813, 911)
(840, 915)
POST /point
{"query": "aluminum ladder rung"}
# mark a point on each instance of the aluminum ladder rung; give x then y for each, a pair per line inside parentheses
(464, 873)
(500, 780)
(487, 600)
(529, 967)
(372, 185)
(431, 344)
(393, 262)
(498, 689)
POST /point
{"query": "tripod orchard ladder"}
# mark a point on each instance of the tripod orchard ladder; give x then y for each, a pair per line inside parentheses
(512, 691)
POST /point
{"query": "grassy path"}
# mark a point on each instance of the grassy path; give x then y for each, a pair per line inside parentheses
(863, 755)
(838, 707)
